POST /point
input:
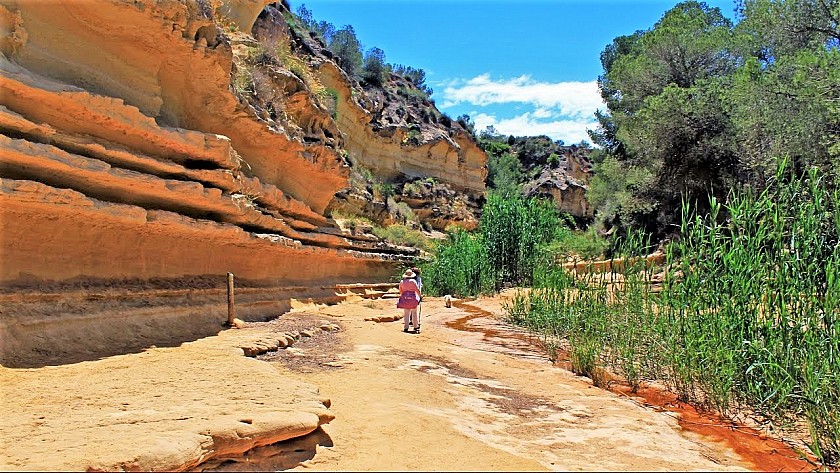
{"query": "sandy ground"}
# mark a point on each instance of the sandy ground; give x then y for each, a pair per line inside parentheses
(468, 393)
(449, 399)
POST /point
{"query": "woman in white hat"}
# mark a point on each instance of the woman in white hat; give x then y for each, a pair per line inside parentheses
(409, 300)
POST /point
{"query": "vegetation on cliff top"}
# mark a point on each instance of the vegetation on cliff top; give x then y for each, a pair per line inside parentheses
(367, 66)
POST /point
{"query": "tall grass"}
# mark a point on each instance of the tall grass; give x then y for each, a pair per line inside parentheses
(513, 229)
(511, 233)
(747, 314)
(461, 267)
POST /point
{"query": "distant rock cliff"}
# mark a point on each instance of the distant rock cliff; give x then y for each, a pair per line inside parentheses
(565, 180)
(392, 130)
(149, 147)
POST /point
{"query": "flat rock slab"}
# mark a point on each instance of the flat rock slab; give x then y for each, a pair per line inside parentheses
(162, 409)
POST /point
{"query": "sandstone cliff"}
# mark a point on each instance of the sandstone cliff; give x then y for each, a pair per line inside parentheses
(565, 181)
(394, 131)
(135, 173)
(150, 147)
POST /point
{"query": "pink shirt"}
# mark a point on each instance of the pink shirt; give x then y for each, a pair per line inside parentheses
(409, 285)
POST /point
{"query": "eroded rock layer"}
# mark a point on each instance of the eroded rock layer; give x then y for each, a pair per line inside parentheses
(405, 148)
(134, 177)
(392, 128)
(566, 182)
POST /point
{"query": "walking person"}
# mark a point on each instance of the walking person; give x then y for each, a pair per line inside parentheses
(419, 282)
(409, 300)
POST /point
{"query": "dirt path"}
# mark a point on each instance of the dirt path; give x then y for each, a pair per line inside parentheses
(468, 393)
(450, 399)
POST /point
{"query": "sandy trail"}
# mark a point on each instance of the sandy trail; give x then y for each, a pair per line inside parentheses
(468, 393)
(450, 399)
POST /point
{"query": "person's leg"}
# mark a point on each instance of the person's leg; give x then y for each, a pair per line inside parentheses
(406, 319)
(415, 315)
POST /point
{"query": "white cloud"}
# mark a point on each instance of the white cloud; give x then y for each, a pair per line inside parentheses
(543, 113)
(572, 99)
(570, 131)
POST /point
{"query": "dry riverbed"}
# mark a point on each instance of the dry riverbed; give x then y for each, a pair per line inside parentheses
(468, 393)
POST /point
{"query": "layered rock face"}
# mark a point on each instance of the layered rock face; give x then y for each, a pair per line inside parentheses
(433, 203)
(133, 177)
(391, 129)
(566, 183)
(392, 141)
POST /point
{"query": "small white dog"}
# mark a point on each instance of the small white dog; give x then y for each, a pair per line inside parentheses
(447, 300)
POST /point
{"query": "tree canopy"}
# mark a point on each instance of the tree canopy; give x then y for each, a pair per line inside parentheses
(698, 104)
(347, 50)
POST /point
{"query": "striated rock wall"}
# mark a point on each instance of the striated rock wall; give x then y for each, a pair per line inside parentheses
(170, 61)
(566, 183)
(134, 176)
(399, 150)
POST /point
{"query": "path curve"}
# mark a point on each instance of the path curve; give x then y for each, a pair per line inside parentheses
(452, 398)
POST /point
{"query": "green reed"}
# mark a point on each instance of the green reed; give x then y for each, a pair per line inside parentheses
(747, 313)
(511, 231)
(461, 267)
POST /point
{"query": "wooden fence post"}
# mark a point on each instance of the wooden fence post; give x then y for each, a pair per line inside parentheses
(231, 312)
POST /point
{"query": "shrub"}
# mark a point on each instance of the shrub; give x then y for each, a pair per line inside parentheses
(514, 229)
(460, 267)
(402, 209)
(373, 68)
(328, 98)
(405, 236)
(382, 189)
(504, 251)
(348, 50)
(585, 244)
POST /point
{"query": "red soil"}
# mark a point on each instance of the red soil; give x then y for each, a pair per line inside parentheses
(764, 453)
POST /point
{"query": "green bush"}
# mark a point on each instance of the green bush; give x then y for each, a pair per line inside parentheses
(405, 236)
(504, 251)
(586, 245)
(514, 229)
(460, 267)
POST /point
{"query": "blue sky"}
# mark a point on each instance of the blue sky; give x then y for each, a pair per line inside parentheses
(526, 67)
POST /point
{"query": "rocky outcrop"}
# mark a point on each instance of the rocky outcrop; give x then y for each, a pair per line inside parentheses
(394, 146)
(435, 205)
(170, 62)
(392, 129)
(565, 181)
(439, 206)
(135, 173)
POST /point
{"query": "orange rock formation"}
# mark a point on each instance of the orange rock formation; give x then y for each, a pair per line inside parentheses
(134, 176)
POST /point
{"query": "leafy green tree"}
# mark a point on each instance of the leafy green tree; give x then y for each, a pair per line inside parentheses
(347, 49)
(466, 122)
(611, 190)
(504, 170)
(665, 112)
(785, 97)
(305, 16)
(415, 75)
(490, 134)
(775, 28)
(374, 67)
(324, 29)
